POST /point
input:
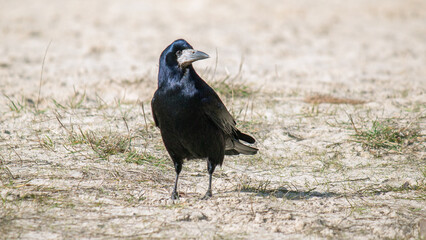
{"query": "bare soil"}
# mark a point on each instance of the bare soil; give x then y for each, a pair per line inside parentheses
(314, 81)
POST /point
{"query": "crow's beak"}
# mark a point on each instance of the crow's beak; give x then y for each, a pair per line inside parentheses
(189, 56)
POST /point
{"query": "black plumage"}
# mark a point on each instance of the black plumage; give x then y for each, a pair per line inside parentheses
(193, 121)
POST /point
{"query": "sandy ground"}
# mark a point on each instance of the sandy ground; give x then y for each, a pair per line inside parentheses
(68, 171)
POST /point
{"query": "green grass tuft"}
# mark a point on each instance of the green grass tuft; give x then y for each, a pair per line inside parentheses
(103, 144)
(387, 134)
(230, 90)
(140, 158)
(16, 105)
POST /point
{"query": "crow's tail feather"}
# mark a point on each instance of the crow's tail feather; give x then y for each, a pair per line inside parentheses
(245, 137)
(240, 148)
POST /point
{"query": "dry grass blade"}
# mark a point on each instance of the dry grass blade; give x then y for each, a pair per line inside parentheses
(144, 117)
(41, 75)
(319, 98)
(353, 124)
(6, 169)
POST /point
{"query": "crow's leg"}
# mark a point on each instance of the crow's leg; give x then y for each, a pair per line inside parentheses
(210, 167)
(178, 167)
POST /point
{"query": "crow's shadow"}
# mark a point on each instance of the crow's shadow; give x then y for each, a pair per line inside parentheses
(283, 192)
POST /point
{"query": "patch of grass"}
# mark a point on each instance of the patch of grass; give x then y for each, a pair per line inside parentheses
(387, 134)
(360, 209)
(419, 187)
(140, 158)
(37, 197)
(6, 177)
(18, 105)
(230, 90)
(103, 144)
(58, 105)
(249, 185)
(131, 199)
(107, 144)
(47, 143)
(74, 102)
(63, 205)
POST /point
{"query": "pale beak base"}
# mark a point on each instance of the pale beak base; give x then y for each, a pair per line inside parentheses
(189, 56)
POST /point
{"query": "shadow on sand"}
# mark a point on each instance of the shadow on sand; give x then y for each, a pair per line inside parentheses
(283, 192)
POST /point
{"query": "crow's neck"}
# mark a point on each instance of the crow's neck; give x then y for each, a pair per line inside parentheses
(172, 76)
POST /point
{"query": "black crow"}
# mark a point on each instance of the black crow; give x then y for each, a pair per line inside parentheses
(193, 121)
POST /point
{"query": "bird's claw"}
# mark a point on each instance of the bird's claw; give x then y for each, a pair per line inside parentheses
(175, 195)
(207, 195)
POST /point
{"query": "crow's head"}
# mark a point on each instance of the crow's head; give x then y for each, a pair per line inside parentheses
(181, 54)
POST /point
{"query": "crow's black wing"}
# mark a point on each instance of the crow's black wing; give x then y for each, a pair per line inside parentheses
(218, 114)
(153, 111)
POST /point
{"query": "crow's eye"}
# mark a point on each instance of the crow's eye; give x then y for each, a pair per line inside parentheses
(178, 53)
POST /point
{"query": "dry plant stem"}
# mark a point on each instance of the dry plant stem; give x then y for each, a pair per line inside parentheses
(41, 75)
(144, 117)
